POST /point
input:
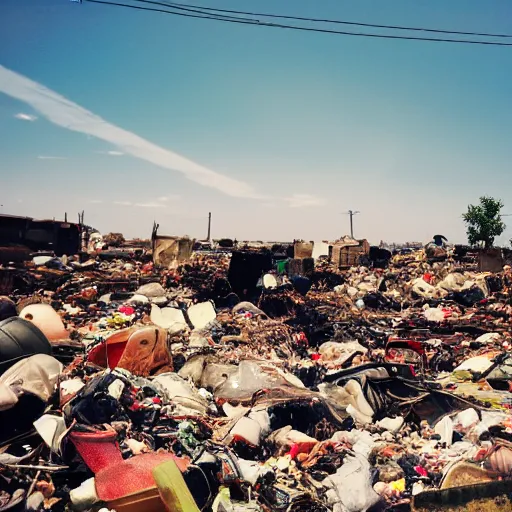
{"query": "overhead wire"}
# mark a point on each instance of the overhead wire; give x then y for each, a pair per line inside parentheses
(245, 21)
(340, 22)
(195, 9)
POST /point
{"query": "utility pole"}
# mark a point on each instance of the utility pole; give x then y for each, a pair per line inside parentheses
(351, 213)
(209, 226)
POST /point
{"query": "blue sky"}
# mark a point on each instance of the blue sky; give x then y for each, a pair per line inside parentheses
(135, 116)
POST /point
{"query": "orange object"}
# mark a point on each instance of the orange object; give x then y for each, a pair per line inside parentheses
(141, 351)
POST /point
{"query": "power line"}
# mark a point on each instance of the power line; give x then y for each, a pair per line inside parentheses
(197, 10)
(339, 22)
(352, 213)
(291, 27)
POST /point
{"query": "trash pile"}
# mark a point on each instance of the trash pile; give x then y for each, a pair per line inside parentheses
(255, 382)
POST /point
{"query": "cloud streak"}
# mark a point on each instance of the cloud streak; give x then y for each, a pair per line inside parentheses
(172, 197)
(25, 117)
(43, 157)
(304, 200)
(150, 205)
(63, 112)
(111, 153)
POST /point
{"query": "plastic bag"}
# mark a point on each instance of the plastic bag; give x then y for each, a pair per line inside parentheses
(36, 374)
(171, 319)
(179, 391)
(151, 290)
(333, 351)
(202, 314)
(250, 378)
(434, 315)
(350, 487)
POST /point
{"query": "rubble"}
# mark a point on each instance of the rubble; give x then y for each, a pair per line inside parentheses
(253, 380)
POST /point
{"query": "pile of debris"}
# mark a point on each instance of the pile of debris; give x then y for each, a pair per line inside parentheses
(255, 381)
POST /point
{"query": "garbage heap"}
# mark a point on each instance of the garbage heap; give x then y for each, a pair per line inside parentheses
(269, 386)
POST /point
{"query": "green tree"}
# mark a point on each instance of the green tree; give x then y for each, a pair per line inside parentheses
(483, 221)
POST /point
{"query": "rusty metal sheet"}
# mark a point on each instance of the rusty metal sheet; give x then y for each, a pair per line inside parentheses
(15, 254)
(490, 260)
(347, 255)
(168, 251)
(6, 282)
(303, 250)
(495, 496)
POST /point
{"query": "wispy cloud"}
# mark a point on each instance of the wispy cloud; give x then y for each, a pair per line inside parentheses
(25, 117)
(43, 157)
(172, 197)
(96, 201)
(111, 153)
(150, 205)
(63, 112)
(159, 203)
(304, 200)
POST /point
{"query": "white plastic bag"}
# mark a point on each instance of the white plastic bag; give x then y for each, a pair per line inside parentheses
(352, 487)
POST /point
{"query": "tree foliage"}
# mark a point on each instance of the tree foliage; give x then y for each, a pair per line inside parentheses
(483, 221)
(114, 239)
